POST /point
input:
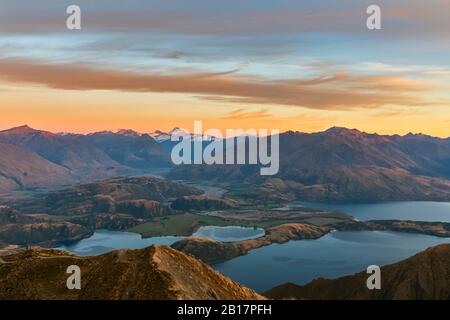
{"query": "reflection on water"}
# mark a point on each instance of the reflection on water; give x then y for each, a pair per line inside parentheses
(334, 255)
(228, 234)
(103, 241)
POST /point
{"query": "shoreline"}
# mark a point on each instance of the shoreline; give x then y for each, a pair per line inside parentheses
(206, 249)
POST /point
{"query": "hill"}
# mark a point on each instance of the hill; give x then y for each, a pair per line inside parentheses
(111, 195)
(131, 149)
(83, 159)
(74, 213)
(153, 273)
(22, 169)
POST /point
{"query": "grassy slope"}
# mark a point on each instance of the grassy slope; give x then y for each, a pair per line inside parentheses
(177, 225)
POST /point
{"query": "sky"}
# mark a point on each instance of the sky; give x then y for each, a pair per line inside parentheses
(286, 64)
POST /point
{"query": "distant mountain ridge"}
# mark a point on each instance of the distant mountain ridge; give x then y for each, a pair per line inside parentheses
(342, 164)
(338, 164)
(21, 169)
(131, 149)
(72, 152)
(73, 158)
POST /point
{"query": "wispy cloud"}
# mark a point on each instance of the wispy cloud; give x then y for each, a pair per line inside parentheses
(340, 91)
(241, 114)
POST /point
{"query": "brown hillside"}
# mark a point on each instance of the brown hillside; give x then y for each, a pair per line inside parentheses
(23, 169)
(156, 272)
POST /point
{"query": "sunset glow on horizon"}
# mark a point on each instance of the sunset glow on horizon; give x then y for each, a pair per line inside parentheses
(287, 65)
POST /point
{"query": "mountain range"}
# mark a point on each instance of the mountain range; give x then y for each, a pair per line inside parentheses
(39, 159)
(338, 164)
(344, 165)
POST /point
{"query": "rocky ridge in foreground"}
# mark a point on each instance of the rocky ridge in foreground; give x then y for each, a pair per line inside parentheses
(153, 273)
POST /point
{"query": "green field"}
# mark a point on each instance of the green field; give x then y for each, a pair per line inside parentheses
(179, 225)
(186, 224)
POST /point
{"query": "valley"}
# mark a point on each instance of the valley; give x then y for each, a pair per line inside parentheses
(160, 209)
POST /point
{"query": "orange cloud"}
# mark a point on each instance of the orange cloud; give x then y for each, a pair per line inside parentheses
(339, 92)
(399, 84)
(241, 114)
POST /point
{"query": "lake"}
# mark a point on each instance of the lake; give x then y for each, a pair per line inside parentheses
(103, 241)
(228, 234)
(404, 210)
(334, 255)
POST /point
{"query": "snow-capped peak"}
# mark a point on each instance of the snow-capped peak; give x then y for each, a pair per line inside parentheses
(128, 133)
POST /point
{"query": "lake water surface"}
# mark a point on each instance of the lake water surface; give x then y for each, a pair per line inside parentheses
(228, 234)
(103, 241)
(402, 210)
(334, 255)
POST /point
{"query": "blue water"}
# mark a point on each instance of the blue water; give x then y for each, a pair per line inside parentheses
(103, 241)
(334, 255)
(228, 234)
(404, 210)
